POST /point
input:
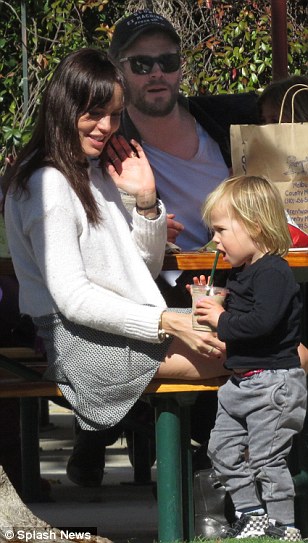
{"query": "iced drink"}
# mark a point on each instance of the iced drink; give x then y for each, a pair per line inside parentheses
(199, 292)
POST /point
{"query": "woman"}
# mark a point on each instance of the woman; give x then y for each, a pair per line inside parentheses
(84, 265)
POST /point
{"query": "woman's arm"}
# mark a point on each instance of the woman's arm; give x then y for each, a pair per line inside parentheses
(180, 325)
(130, 170)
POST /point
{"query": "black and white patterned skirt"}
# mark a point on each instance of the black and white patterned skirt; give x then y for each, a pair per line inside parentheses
(101, 375)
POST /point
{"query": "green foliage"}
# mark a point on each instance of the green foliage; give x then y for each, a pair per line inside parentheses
(54, 28)
(237, 54)
(230, 53)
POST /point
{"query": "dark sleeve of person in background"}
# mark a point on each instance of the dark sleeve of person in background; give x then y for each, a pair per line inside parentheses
(16, 330)
(217, 112)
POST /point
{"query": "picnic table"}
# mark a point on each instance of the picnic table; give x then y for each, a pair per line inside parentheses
(172, 401)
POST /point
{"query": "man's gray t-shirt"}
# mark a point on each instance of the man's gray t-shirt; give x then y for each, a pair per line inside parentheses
(184, 184)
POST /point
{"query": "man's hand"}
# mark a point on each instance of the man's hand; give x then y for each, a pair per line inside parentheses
(174, 228)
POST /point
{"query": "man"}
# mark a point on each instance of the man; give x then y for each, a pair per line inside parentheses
(186, 140)
(187, 143)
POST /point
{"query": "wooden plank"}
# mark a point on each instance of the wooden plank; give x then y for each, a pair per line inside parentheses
(189, 261)
(205, 260)
(19, 388)
(158, 386)
(22, 353)
(193, 261)
(16, 388)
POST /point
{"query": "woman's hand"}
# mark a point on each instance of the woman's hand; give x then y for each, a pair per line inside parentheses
(205, 343)
(130, 170)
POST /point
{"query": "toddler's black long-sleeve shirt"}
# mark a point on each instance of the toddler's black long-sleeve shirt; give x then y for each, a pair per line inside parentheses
(261, 324)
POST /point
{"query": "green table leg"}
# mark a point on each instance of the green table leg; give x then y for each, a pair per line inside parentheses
(169, 489)
(187, 476)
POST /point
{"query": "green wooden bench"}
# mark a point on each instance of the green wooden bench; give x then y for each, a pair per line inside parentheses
(21, 377)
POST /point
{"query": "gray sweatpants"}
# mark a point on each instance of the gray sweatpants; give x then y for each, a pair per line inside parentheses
(259, 414)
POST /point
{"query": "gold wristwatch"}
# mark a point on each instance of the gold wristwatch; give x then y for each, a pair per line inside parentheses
(162, 334)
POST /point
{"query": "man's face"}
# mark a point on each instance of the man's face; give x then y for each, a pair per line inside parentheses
(154, 93)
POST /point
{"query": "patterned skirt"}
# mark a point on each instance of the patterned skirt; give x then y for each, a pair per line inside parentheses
(101, 375)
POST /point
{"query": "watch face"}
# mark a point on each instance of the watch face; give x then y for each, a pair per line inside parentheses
(161, 335)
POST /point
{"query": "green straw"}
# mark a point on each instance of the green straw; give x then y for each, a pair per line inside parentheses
(213, 269)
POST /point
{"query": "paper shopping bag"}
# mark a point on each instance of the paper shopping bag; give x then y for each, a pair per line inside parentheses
(278, 152)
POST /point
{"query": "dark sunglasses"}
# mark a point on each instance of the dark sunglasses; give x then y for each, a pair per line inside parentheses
(143, 64)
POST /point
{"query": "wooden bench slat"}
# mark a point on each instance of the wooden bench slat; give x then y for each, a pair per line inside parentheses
(17, 387)
(28, 389)
(21, 353)
(15, 383)
(166, 385)
(12, 385)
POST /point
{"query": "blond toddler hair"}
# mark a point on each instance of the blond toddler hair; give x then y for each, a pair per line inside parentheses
(256, 203)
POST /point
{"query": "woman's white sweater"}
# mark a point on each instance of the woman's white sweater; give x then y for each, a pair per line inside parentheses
(102, 276)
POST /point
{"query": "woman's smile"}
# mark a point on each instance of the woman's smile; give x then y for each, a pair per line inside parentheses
(97, 125)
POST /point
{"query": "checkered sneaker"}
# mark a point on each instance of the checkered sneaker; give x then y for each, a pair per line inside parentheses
(248, 526)
(283, 533)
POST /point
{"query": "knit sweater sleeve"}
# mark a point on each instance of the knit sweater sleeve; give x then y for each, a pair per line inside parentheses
(94, 276)
(149, 237)
(77, 298)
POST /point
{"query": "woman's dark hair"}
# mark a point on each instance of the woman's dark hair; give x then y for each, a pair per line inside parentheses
(274, 93)
(82, 81)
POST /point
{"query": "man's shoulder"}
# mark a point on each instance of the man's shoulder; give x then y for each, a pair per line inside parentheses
(228, 109)
(225, 99)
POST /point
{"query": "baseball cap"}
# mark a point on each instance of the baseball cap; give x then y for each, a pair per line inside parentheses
(128, 30)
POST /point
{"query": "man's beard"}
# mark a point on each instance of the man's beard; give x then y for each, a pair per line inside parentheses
(159, 108)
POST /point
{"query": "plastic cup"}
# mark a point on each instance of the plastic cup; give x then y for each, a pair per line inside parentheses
(199, 292)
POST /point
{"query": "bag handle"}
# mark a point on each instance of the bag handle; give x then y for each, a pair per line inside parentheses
(303, 87)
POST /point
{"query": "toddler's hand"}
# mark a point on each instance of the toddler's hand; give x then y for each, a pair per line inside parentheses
(201, 280)
(208, 311)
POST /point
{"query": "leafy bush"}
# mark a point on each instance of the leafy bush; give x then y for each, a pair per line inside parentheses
(237, 55)
(54, 28)
(226, 47)
(227, 43)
